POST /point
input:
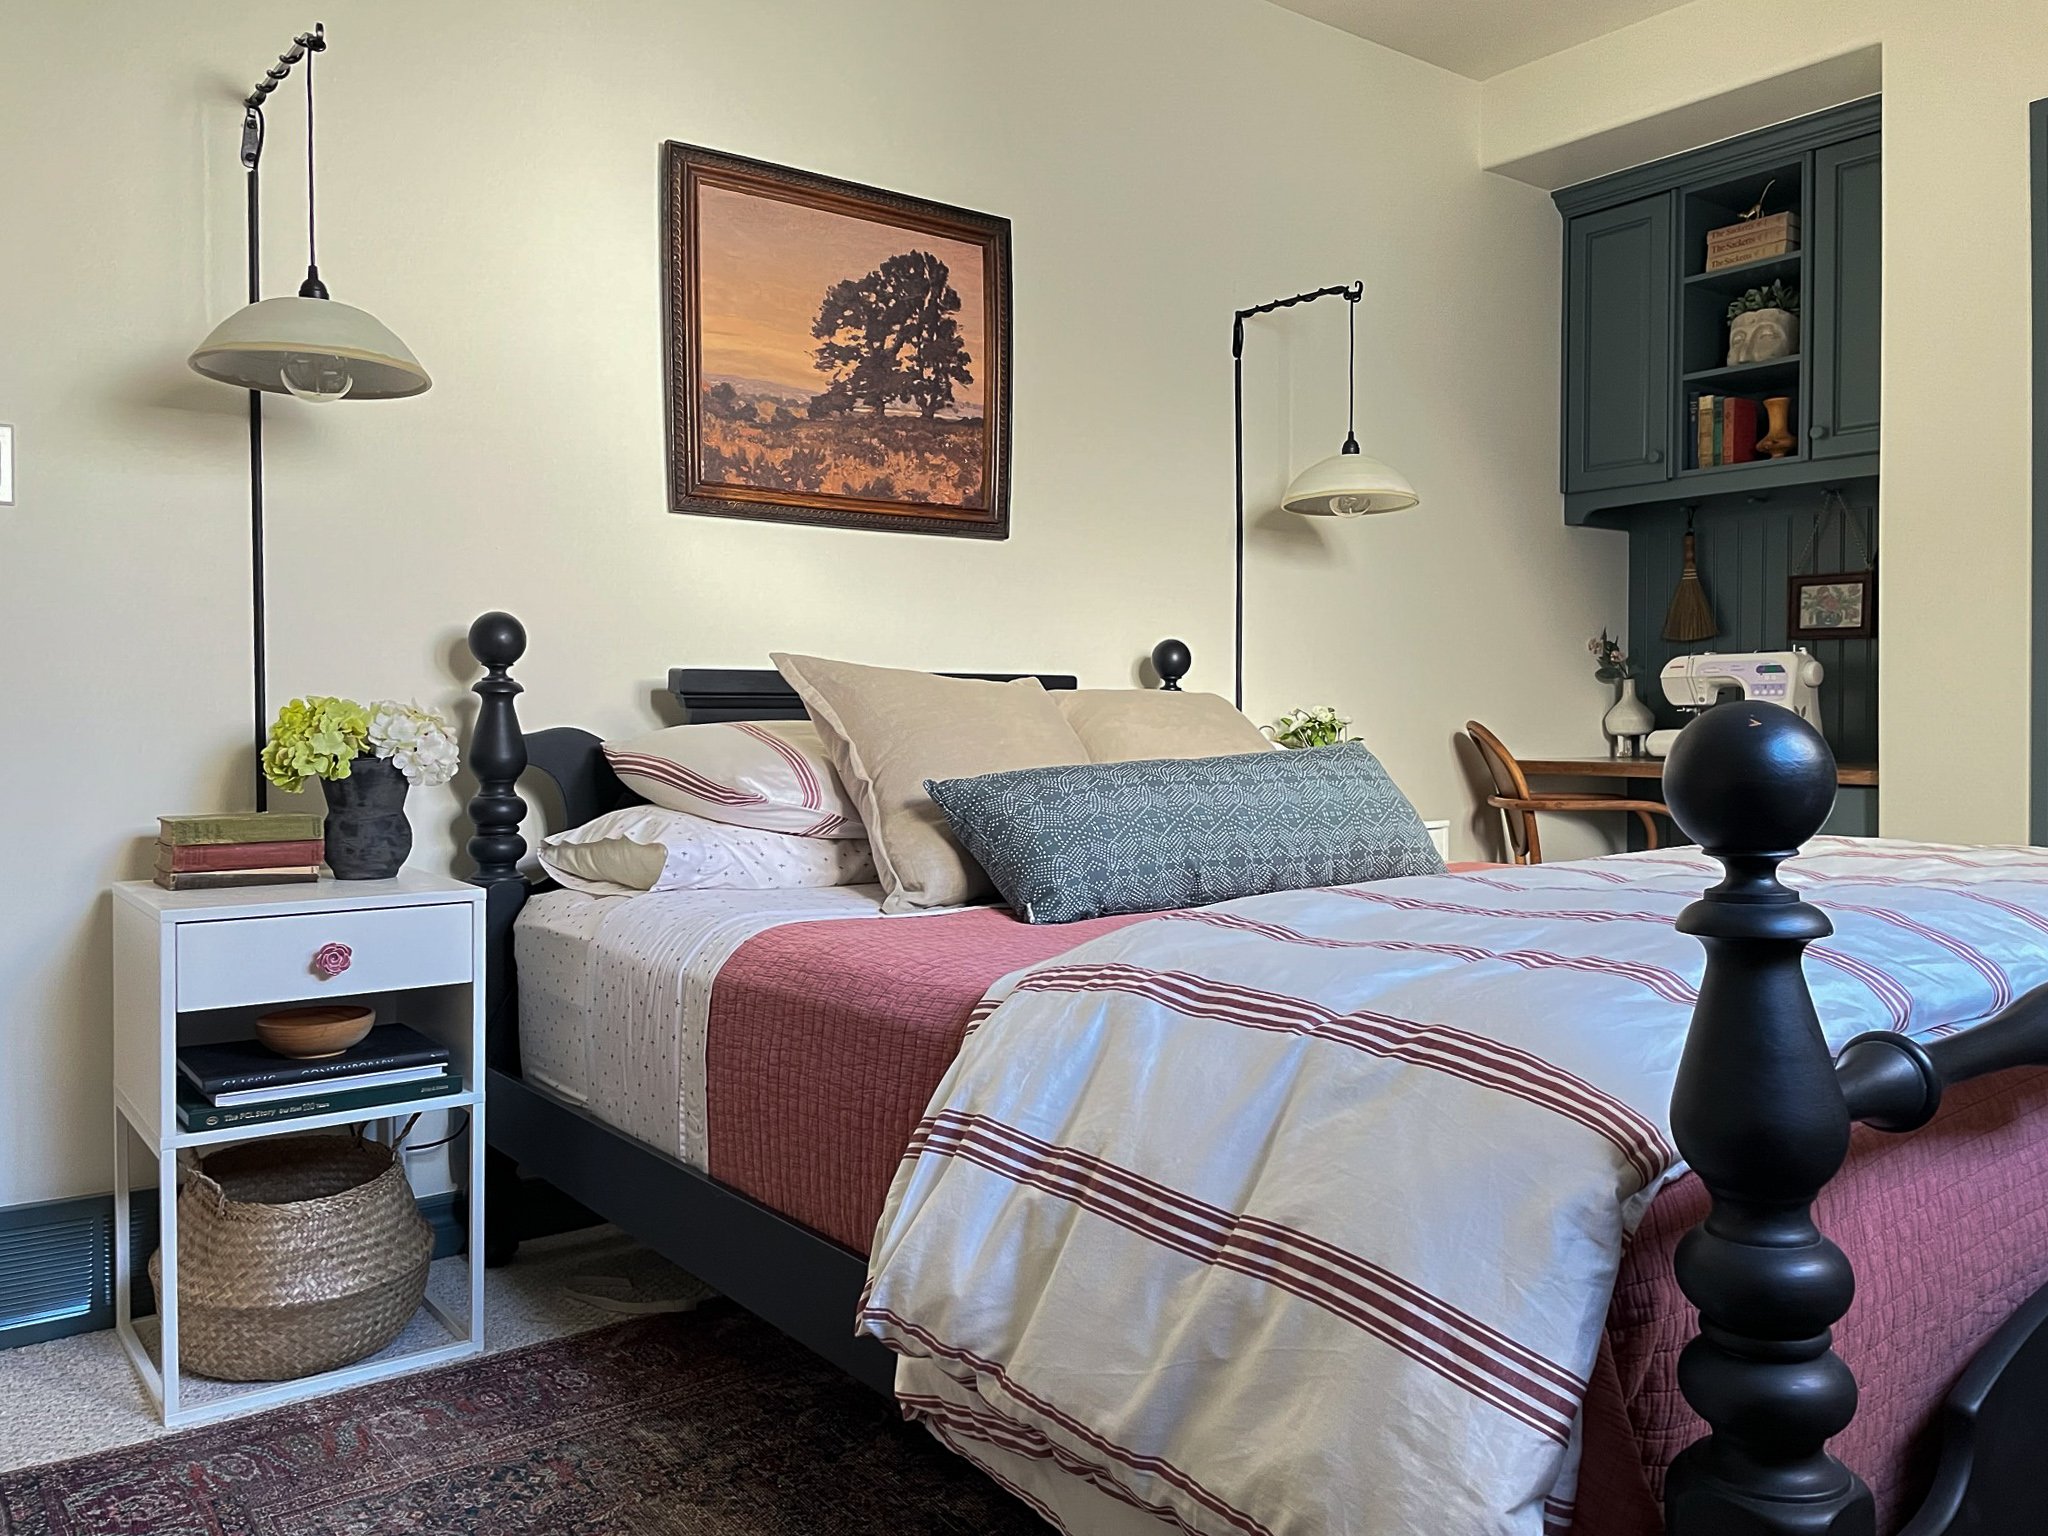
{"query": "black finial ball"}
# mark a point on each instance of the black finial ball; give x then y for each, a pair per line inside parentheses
(497, 639)
(1171, 660)
(1749, 777)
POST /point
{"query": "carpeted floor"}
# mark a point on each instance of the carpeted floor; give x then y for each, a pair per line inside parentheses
(707, 1423)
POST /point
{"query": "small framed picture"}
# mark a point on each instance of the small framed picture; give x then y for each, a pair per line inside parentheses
(1838, 606)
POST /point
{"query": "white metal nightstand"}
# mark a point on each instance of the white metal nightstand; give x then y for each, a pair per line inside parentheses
(198, 966)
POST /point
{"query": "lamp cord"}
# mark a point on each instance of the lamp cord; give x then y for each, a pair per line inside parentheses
(312, 249)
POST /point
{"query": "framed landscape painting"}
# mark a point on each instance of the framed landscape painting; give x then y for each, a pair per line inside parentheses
(836, 354)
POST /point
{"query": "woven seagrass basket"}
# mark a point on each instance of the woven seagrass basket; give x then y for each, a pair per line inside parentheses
(295, 1256)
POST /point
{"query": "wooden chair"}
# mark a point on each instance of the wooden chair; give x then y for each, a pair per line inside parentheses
(1518, 805)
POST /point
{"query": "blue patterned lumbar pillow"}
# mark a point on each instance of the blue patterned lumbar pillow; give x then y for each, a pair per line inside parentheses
(1099, 838)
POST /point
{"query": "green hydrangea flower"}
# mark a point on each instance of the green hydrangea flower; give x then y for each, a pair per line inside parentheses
(314, 738)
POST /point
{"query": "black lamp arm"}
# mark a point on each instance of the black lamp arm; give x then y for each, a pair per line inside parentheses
(1349, 293)
(314, 41)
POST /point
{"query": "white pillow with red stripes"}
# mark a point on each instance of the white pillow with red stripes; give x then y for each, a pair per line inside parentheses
(771, 775)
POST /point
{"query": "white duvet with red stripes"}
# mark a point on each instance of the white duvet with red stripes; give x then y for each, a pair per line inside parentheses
(1301, 1214)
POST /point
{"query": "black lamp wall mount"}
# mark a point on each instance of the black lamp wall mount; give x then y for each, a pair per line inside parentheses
(307, 346)
(1351, 294)
(304, 45)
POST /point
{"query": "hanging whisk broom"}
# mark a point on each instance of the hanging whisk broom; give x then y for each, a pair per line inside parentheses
(1691, 616)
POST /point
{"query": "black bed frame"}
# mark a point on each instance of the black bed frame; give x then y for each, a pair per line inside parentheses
(1760, 1111)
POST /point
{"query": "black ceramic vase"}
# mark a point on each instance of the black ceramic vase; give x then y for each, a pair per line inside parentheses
(368, 836)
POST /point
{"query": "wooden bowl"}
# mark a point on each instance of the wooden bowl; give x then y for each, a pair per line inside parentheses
(308, 1034)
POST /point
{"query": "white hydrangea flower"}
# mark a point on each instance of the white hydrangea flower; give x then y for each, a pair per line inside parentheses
(419, 743)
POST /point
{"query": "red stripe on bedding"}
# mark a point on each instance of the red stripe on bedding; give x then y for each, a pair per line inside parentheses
(1473, 1058)
(1970, 955)
(1668, 985)
(800, 765)
(944, 1418)
(1436, 1335)
(676, 776)
(1156, 1466)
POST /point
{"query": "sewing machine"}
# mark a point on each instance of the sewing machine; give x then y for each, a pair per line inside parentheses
(1693, 683)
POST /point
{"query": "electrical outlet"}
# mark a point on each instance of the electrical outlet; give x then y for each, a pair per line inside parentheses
(6, 465)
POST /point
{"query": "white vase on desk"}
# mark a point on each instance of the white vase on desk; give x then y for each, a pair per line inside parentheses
(1627, 722)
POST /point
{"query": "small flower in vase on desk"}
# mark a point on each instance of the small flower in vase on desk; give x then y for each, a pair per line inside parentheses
(1628, 720)
(365, 760)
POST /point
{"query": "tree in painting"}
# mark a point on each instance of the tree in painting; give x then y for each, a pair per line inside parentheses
(890, 336)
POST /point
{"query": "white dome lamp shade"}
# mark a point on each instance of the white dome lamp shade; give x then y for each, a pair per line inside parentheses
(309, 346)
(1350, 483)
(314, 348)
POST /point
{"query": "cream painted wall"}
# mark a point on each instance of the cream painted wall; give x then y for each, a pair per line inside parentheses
(1955, 601)
(489, 189)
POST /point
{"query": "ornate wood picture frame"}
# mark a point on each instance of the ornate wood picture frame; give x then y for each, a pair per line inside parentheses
(837, 354)
(1834, 605)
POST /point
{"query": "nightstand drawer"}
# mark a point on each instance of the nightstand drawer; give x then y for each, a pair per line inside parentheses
(284, 959)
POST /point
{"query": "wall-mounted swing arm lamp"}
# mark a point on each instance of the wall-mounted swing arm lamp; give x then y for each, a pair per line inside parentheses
(1347, 484)
(309, 346)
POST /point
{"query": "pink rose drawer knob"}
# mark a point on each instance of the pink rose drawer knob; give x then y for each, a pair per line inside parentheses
(330, 960)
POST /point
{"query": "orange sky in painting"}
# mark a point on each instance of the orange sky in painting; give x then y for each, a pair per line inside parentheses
(763, 267)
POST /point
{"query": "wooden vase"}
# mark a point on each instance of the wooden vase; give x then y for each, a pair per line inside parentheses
(1779, 441)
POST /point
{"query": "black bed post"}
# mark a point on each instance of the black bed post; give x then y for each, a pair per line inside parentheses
(497, 755)
(1758, 1114)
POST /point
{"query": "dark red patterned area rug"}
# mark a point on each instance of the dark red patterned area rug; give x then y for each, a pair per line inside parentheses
(704, 1424)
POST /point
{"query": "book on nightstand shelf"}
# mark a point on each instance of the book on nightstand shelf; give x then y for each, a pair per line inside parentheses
(196, 1113)
(242, 1072)
(239, 827)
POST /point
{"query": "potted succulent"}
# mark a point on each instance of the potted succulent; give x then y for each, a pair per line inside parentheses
(1316, 726)
(1764, 323)
(365, 757)
(1628, 720)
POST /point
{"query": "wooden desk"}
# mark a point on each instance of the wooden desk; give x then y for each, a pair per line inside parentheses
(1859, 775)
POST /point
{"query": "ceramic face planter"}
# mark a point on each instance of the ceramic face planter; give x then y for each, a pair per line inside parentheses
(1760, 335)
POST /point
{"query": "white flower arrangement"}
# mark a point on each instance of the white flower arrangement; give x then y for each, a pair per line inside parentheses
(419, 743)
(1318, 725)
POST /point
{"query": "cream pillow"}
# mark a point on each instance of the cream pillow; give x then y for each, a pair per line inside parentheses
(645, 848)
(1127, 725)
(769, 774)
(887, 731)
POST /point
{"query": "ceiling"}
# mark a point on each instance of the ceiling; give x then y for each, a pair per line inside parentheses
(1479, 38)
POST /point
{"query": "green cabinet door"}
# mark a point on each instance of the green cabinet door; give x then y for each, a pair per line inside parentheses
(1844, 298)
(1617, 346)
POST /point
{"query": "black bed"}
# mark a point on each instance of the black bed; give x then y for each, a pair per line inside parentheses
(1761, 1112)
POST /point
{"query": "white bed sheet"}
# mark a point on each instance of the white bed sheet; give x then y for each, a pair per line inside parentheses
(615, 993)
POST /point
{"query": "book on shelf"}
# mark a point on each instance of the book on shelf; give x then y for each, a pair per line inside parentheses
(196, 1113)
(239, 827)
(192, 858)
(234, 879)
(1738, 431)
(247, 1072)
(1725, 430)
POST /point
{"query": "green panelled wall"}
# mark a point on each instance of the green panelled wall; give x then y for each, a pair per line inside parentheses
(1747, 551)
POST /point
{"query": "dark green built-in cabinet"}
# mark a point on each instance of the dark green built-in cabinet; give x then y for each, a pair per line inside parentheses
(1646, 332)
(1645, 324)
(1617, 349)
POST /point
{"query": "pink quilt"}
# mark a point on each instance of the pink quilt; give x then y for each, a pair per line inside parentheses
(826, 1040)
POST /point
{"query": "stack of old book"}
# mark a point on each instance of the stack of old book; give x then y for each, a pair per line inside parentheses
(199, 853)
(243, 1082)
